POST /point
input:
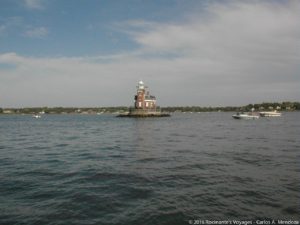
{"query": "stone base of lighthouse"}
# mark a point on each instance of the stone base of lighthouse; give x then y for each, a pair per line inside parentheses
(143, 113)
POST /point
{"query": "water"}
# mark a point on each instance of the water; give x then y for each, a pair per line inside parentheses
(89, 169)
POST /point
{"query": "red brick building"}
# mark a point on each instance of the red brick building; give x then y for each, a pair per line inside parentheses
(143, 99)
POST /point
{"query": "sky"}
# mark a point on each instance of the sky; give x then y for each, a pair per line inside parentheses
(92, 53)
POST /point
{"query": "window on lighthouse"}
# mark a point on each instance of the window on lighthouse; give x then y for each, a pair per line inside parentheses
(140, 104)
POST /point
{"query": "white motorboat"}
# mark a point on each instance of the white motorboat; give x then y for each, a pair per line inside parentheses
(36, 116)
(270, 114)
(242, 115)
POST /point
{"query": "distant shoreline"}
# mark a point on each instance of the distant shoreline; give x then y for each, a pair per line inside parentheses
(269, 106)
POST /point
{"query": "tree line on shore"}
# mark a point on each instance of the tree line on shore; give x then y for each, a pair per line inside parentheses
(266, 106)
(283, 106)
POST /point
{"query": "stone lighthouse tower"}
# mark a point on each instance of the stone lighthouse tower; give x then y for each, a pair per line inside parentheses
(143, 99)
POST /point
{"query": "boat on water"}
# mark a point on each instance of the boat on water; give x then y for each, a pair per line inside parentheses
(242, 115)
(270, 114)
(36, 116)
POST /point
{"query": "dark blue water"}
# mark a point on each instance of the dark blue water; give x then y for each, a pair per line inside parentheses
(88, 169)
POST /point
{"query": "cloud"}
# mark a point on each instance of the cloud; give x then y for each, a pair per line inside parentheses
(16, 26)
(34, 4)
(38, 32)
(239, 45)
(10, 23)
(233, 54)
(234, 30)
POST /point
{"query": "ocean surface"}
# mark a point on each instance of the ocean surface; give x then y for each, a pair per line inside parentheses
(100, 169)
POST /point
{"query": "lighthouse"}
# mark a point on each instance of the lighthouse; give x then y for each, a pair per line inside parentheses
(144, 104)
(143, 99)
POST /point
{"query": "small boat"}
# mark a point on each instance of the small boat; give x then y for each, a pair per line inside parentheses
(249, 115)
(270, 114)
(36, 116)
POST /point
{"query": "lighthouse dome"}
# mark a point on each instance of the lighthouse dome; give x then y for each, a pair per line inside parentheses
(141, 85)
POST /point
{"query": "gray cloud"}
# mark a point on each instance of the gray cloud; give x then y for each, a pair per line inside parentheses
(34, 4)
(37, 32)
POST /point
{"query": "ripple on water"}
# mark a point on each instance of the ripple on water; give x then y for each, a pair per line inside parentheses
(105, 170)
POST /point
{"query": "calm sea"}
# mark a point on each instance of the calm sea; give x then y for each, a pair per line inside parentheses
(99, 169)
